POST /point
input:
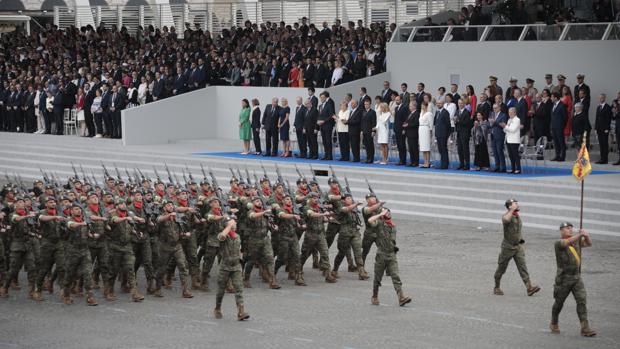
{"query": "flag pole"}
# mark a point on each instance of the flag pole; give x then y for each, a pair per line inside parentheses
(581, 210)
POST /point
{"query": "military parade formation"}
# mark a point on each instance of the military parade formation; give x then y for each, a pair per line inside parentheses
(83, 235)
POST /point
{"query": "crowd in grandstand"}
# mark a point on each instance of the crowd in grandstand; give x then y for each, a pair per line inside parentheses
(101, 71)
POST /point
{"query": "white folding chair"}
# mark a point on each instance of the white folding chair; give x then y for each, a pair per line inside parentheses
(70, 121)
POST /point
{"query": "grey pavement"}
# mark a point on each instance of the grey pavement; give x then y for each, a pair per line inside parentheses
(446, 269)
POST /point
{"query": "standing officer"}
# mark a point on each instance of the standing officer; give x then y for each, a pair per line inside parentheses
(230, 270)
(568, 278)
(512, 248)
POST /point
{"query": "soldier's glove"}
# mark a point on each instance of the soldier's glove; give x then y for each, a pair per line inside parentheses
(521, 241)
(396, 249)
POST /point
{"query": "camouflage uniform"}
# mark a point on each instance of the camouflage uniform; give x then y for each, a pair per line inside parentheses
(230, 269)
(385, 260)
(99, 253)
(512, 248)
(142, 247)
(349, 237)
(334, 227)
(567, 281)
(170, 250)
(78, 264)
(211, 243)
(370, 233)
(122, 258)
(52, 251)
(288, 245)
(260, 251)
(22, 252)
(314, 239)
(189, 245)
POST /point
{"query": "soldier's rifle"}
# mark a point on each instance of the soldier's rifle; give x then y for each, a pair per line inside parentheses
(156, 174)
(184, 176)
(239, 174)
(169, 174)
(204, 174)
(258, 186)
(75, 174)
(137, 176)
(234, 177)
(189, 173)
(46, 180)
(218, 193)
(265, 173)
(247, 175)
(279, 174)
(142, 177)
(84, 177)
(105, 171)
(92, 174)
(301, 176)
(335, 177)
(118, 173)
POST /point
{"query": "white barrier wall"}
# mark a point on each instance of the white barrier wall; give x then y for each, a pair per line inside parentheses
(472, 62)
(213, 112)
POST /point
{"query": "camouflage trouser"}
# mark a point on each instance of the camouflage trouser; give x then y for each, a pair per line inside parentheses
(223, 278)
(367, 241)
(288, 254)
(389, 265)
(175, 255)
(144, 257)
(332, 230)
(78, 265)
(505, 256)
(561, 290)
(100, 258)
(210, 254)
(122, 261)
(275, 242)
(190, 249)
(2, 260)
(260, 252)
(154, 255)
(51, 253)
(312, 243)
(346, 241)
(36, 251)
(21, 257)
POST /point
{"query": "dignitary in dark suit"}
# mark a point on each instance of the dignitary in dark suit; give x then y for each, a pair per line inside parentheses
(559, 118)
(30, 119)
(89, 97)
(298, 124)
(355, 130)
(603, 126)
(580, 124)
(410, 131)
(311, 130)
(542, 115)
(463, 124)
(270, 125)
(581, 85)
(326, 122)
(59, 110)
(401, 112)
(386, 93)
(498, 119)
(522, 110)
(117, 103)
(256, 125)
(313, 99)
(442, 133)
(368, 124)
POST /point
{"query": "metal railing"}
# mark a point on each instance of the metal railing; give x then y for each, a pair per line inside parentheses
(514, 32)
(216, 16)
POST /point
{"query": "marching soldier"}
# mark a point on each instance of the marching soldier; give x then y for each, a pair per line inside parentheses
(122, 258)
(260, 250)
(52, 246)
(288, 243)
(230, 270)
(373, 207)
(78, 264)
(334, 198)
(141, 242)
(349, 236)
(170, 249)
(568, 277)
(215, 224)
(97, 243)
(188, 236)
(314, 238)
(4, 230)
(512, 248)
(385, 259)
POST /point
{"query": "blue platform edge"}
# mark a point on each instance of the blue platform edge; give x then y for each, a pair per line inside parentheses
(526, 171)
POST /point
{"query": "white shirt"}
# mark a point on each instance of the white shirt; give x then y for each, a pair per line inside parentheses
(513, 130)
(343, 115)
(451, 108)
(337, 75)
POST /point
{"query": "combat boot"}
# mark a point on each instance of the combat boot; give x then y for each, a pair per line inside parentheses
(186, 293)
(108, 293)
(204, 286)
(363, 275)
(125, 286)
(554, 328)
(168, 282)
(531, 289)
(195, 283)
(246, 281)
(402, 299)
(334, 273)
(157, 291)
(136, 296)
(299, 279)
(264, 274)
(36, 295)
(96, 282)
(586, 331)
(330, 278)
(241, 314)
(90, 298)
(273, 283)
(375, 297)
(352, 267)
(315, 261)
(291, 275)
(4, 293)
(77, 290)
(46, 284)
(217, 312)
(15, 285)
(66, 296)
(31, 290)
(498, 291)
(150, 288)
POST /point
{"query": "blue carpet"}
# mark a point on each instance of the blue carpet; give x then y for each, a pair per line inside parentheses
(527, 171)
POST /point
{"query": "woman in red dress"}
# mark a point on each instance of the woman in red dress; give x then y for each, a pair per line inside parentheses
(472, 100)
(567, 99)
(293, 76)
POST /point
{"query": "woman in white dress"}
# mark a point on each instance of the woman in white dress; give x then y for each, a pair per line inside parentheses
(142, 91)
(383, 131)
(424, 133)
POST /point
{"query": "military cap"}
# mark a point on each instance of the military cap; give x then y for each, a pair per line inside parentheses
(49, 186)
(19, 198)
(146, 180)
(313, 182)
(204, 182)
(234, 179)
(530, 80)
(494, 78)
(37, 181)
(371, 195)
(347, 195)
(105, 192)
(580, 76)
(548, 76)
(91, 193)
(561, 77)
(278, 184)
(76, 205)
(565, 225)
(168, 185)
(510, 202)
(513, 79)
(119, 182)
(332, 180)
(166, 202)
(301, 180)
(191, 182)
(110, 179)
(256, 198)
(50, 198)
(264, 179)
(244, 185)
(214, 198)
(76, 180)
(65, 198)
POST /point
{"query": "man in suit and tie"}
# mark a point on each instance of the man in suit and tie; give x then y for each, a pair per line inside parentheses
(463, 124)
(59, 110)
(298, 123)
(179, 85)
(521, 106)
(326, 122)
(404, 95)
(542, 115)
(106, 101)
(355, 130)
(581, 85)
(256, 125)
(311, 130)
(368, 124)
(30, 119)
(603, 126)
(559, 118)
(498, 120)
(270, 125)
(117, 103)
(312, 98)
(443, 128)
(386, 94)
(401, 112)
(454, 93)
(158, 87)
(484, 106)
(419, 96)
(320, 73)
(363, 96)
(410, 131)
(309, 70)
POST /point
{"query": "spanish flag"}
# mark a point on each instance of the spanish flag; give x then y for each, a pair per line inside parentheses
(582, 166)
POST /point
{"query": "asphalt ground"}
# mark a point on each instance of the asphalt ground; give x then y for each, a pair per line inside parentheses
(446, 269)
